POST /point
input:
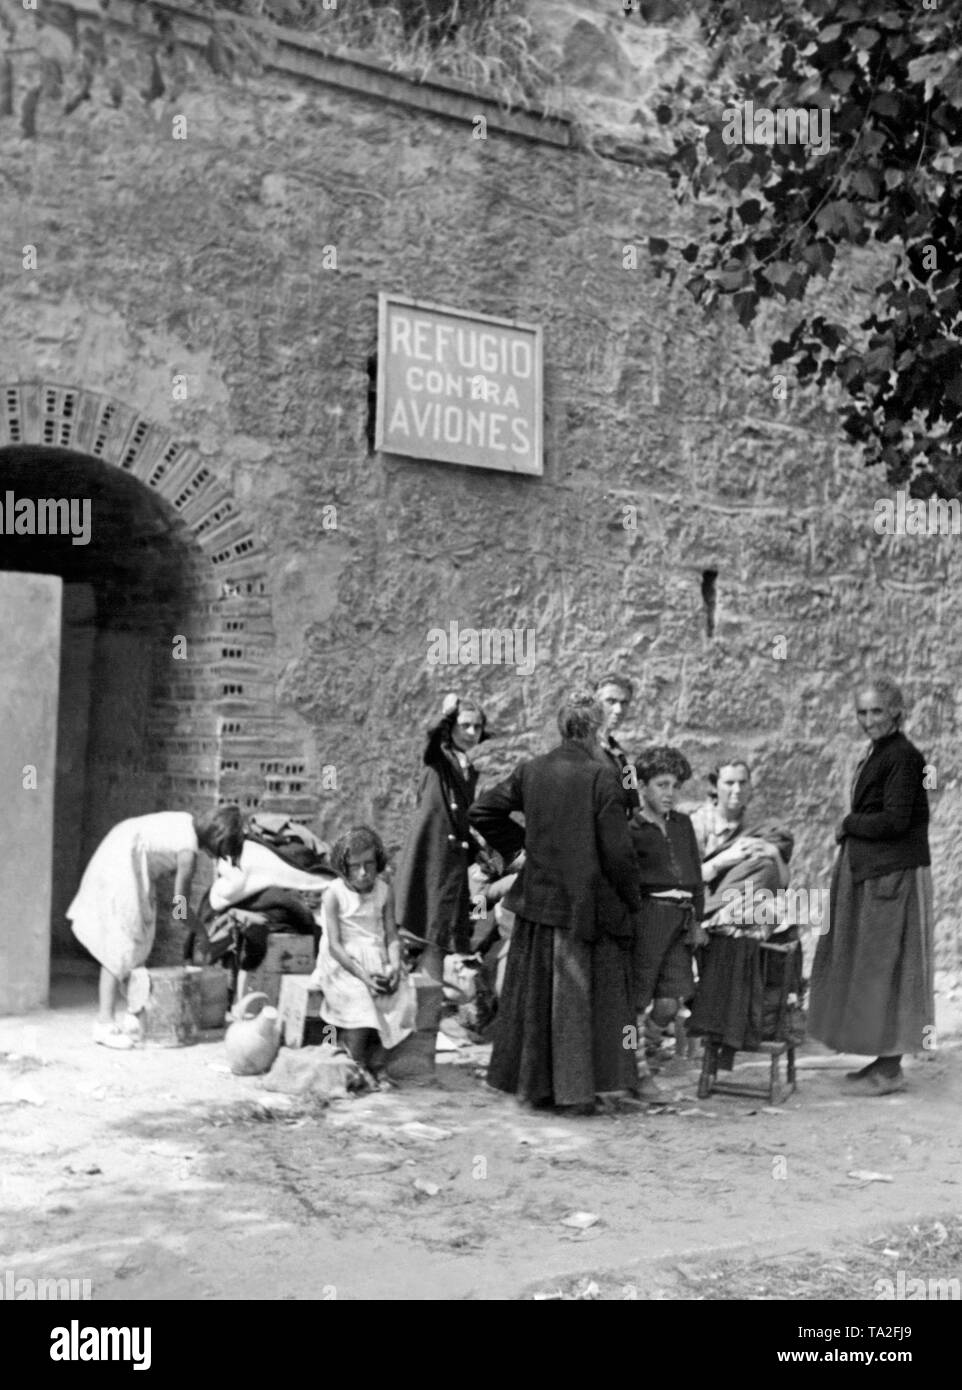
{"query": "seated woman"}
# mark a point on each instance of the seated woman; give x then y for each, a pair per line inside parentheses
(745, 870)
(744, 866)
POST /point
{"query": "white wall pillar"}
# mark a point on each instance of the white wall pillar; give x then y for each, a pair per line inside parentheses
(29, 678)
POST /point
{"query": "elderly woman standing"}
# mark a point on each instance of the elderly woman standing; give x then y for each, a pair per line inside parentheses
(566, 1007)
(872, 983)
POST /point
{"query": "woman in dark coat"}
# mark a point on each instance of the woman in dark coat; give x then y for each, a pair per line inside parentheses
(432, 898)
(566, 1018)
(872, 981)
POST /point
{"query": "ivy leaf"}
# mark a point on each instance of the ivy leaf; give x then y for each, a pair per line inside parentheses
(745, 303)
(738, 176)
(878, 361)
(838, 218)
(953, 389)
(932, 69)
(778, 273)
(716, 147)
(885, 103)
(732, 277)
(866, 182)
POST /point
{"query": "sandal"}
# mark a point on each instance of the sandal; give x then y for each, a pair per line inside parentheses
(109, 1035)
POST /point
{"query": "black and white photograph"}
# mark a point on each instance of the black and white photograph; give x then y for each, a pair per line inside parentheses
(480, 573)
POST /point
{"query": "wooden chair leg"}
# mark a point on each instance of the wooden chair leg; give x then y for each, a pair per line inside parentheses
(708, 1067)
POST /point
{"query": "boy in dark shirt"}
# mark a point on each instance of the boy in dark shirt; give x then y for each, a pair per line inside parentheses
(672, 898)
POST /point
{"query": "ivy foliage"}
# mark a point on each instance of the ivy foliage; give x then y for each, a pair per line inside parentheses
(787, 218)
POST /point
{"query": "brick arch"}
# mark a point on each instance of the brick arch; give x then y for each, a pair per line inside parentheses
(65, 417)
(228, 739)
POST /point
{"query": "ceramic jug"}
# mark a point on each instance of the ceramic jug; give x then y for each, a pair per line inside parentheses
(253, 1043)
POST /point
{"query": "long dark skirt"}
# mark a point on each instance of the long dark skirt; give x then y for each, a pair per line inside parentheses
(872, 981)
(565, 1018)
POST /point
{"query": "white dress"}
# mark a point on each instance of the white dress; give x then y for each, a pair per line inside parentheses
(115, 908)
(347, 1001)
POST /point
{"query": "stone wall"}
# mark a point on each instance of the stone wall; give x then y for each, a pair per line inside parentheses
(204, 257)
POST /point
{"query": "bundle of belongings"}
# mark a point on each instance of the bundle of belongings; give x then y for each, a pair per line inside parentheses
(736, 900)
(475, 981)
(743, 996)
(282, 870)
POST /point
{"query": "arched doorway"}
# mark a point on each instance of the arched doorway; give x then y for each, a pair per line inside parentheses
(166, 674)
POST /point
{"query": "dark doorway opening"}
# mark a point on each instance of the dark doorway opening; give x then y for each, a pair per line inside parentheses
(127, 594)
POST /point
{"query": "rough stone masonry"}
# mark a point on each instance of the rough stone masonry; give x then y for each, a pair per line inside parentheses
(202, 259)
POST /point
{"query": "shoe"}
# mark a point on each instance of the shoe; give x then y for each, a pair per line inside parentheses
(875, 1084)
(650, 1091)
(629, 1104)
(862, 1072)
(109, 1035)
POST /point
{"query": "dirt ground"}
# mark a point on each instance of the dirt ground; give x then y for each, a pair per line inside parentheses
(156, 1174)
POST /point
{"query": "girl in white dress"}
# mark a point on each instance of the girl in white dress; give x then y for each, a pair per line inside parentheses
(114, 912)
(368, 996)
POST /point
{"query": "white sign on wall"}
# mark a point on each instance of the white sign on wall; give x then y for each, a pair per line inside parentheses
(457, 387)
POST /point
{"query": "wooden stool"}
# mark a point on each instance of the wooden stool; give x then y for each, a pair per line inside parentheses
(774, 1091)
(782, 1044)
(298, 1005)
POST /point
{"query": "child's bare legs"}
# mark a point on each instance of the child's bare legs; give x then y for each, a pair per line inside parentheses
(377, 1061)
(108, 993)
(105, 1031)
(358, 1042)
(651, 1028)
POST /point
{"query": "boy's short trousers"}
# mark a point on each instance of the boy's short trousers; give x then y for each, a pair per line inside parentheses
(661, 963)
